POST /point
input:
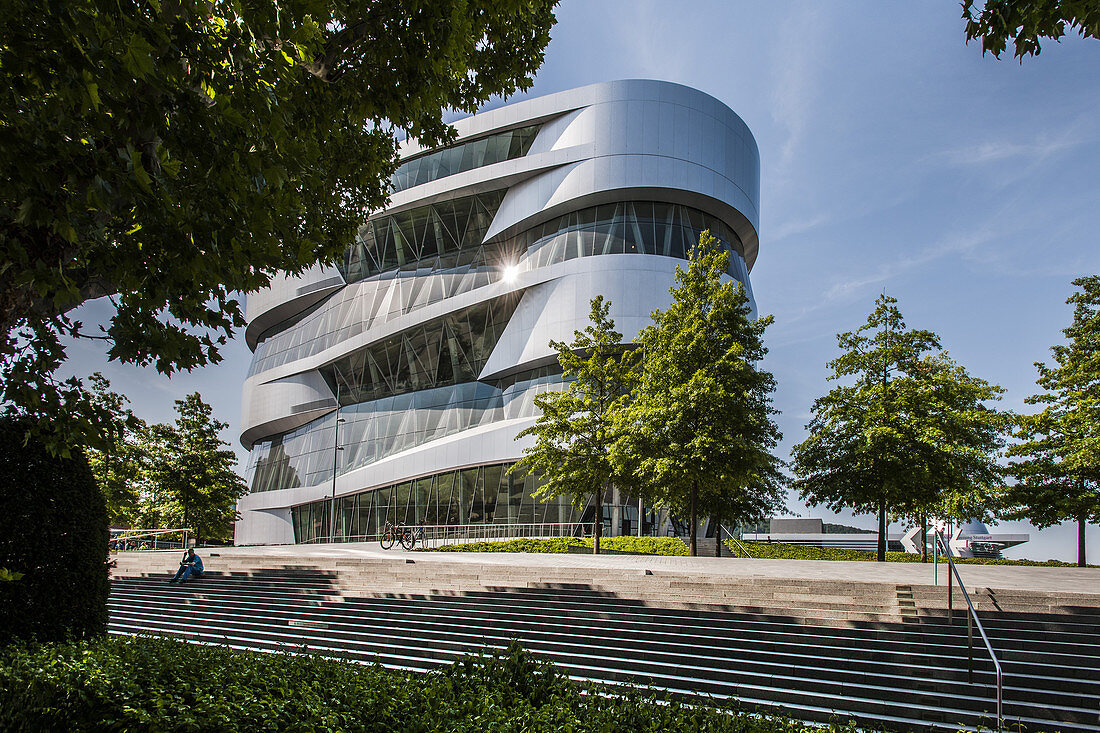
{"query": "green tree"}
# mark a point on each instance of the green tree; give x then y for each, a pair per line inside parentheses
(1026, 21)
(167, 155)
(909, 433)
(117, 460)
(577, 426)
(191, 472)
(700, 427)
(1058, 457)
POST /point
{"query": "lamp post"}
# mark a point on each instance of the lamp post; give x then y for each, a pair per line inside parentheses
(336, 448)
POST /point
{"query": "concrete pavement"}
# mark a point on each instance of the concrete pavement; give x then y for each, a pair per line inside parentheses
(1043, 579)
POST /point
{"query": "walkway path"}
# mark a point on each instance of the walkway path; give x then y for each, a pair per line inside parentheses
(1046, 579)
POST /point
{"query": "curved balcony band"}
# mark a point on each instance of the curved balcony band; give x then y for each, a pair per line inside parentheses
(431, 336)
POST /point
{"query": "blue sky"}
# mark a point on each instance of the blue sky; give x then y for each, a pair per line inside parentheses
(893, 157)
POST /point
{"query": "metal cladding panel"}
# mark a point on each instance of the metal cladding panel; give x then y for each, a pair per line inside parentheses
(616, 144)
(276, 406)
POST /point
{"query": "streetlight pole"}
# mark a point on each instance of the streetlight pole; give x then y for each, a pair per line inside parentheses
(336, 448)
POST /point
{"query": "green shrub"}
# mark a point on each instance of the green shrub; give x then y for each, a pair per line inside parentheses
(784, 551)
(151, 684)
(643, 545)
(53, 530)
(553, 544)
(633, 545)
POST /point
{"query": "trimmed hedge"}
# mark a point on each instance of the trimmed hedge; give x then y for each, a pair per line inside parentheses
(53, 530)
(632, 545)
(643, 545)
(784, 551)
(552, 545)
(146, 683)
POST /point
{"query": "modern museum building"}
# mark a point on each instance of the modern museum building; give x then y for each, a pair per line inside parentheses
(398, 379)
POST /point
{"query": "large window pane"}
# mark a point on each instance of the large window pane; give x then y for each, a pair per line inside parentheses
(463, 157)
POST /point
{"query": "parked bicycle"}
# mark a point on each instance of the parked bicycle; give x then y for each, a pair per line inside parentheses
(406, 536)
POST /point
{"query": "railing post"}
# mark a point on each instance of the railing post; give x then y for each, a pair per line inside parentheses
(970, 648)
(936, 557)
(950, 608)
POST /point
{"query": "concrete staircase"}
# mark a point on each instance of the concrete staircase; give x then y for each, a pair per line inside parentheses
(882, 654)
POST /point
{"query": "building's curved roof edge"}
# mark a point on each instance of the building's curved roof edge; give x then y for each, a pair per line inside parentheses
(513, 114)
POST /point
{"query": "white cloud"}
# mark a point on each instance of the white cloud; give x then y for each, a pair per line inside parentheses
(1033, 151)
(796, 60)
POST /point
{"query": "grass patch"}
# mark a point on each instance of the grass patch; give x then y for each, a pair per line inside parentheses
(784, 551)
(633, 545)
(146, 683)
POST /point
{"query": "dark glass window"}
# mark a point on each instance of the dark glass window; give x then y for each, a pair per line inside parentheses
(479, 495)
(464, 157)
(441, 352)
(414, 238)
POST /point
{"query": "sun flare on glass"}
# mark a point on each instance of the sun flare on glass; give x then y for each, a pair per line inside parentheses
(509, 273)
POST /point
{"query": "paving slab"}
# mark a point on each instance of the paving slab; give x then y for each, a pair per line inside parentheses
(1075, 581)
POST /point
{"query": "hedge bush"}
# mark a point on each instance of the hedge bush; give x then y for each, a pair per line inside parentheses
(151, 684)
(53, 530)
(633, 545)
(784, 551)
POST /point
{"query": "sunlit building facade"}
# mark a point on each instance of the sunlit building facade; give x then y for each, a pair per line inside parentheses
(398, 379)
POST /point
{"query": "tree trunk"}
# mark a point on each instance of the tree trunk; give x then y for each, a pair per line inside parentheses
(717, 537)
(641, 517)
(923, 538)
(882, 531)
(597, 527)
(693, 529)
(1081, 524)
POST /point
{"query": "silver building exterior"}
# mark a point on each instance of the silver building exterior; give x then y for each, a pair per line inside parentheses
(432, 335)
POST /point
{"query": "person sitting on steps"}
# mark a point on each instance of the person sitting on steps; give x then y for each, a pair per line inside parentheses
(190, 567)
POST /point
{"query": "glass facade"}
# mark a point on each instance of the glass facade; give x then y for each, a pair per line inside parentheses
(629, 227)
(624, 228)
(440, 236)
(445, 351)
(379, 428)
(464, 157)
(479, 495)
(359, 306)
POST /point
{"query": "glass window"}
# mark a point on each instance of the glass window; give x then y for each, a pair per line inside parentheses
(464, 157)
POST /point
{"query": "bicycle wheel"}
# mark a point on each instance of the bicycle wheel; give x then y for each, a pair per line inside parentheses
(387, 540)
(407, 539)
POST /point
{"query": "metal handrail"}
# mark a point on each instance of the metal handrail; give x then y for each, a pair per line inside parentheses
(736, 542)
(436, 534)
(116, 535)
(972, 620)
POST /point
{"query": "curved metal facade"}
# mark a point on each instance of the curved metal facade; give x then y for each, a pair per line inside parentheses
(432, 334)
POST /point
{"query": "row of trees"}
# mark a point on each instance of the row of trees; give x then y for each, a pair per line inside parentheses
(120, 156)
(913, 433)
(683, 420)
(908, 431)
(166, 475)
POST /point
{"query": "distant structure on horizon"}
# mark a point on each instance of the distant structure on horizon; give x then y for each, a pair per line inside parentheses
(397, 380)
(971, 539)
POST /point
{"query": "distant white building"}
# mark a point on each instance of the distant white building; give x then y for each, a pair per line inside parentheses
(432, 335)
(971, 539)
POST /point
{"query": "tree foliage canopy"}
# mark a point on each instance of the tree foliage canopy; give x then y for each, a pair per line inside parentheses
(1024, 22)
(909, 430)
(1057, 461)
(191, 472)
(117, 461)
(700, 429)
(169, 153)
(578, 426)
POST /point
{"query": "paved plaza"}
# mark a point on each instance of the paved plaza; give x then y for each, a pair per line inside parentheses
(1043, 579)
